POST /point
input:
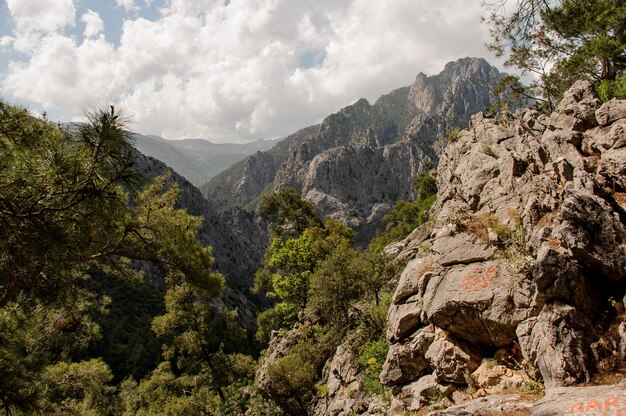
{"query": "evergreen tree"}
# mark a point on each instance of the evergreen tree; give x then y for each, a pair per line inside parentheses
(70, 208)
(559, 41)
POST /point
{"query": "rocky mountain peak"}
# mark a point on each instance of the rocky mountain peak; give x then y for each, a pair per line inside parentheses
(361, 160)
(459, 91)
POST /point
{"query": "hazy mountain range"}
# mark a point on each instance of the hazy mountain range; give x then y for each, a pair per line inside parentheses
(198, 160)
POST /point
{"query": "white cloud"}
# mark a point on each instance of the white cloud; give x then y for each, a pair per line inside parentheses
(42, 15)
(231, 73)
(6, 41)
(128, 5)
(93, 23)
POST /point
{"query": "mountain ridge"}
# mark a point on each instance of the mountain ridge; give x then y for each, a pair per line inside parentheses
(361, 160)
(198, 160)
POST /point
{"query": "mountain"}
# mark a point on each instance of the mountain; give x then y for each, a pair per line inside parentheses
(237, 237)
(197, 160)
(515, 287)
(361, 160)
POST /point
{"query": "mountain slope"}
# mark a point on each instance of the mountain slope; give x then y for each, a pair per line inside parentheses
(237, 240)
(361, 160)
(196, 159)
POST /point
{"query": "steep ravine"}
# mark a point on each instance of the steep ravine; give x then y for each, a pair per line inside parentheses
(518, 281)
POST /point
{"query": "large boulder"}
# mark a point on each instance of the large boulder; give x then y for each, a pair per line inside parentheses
(482, 302)
(406, 361)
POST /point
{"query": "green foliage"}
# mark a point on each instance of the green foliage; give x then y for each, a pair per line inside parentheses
(71, 210)
(23, 356)
(452, 135)
(559, 42)
(407, 215)
(370, 359)
(128, 344)
(291, 214)
(287, 269)
(608, 89)
(79, 388)
(293, 378)
(345, 279)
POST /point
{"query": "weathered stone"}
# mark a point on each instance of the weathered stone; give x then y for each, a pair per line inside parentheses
(594, 234)
(579, 401)
(531, 120)
(580, 101)
(481, 303)
(621, 331)
(490, 405)
(559, 279)
(463, 248)
(557, 343)
(406, 361)
(548, 192)
(613, 167)
(493, 377)
(611, 111)
(565, 122)
(424, 391)
(451, 359)
(403, 320)
(414, 278)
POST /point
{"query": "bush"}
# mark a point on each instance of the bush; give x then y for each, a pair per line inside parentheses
(371, 357)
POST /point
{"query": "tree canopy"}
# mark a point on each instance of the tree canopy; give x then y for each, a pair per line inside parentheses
(72, 208)
(559, 41)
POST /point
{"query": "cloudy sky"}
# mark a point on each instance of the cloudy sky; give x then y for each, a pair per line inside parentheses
(225, 70)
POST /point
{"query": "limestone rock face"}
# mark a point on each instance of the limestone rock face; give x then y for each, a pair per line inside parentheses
(526, 242)
(360, 161)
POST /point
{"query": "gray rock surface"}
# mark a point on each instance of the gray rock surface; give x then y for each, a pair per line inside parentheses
(579, 401)
(345, 393)
(557, 342)
(527, 241)
(451, 359)
(407, 361)
(491, 405)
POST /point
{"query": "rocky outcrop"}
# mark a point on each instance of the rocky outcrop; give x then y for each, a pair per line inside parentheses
(360, 161)
(526, 243)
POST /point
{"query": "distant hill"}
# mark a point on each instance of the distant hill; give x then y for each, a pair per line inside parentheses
(361, 160)
(197, 160)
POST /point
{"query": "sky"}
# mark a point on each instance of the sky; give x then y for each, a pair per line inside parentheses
(225, 70)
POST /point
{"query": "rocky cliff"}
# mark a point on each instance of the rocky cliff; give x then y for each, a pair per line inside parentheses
(361, 160)
(517, 283)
